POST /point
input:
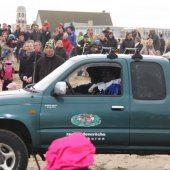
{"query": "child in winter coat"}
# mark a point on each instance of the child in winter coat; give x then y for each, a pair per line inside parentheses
(7, 74)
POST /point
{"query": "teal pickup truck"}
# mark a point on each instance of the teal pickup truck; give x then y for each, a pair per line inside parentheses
(134, 117)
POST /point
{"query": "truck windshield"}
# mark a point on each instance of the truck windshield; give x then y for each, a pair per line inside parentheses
(43, 84)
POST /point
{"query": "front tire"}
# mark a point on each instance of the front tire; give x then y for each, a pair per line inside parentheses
(13, 152)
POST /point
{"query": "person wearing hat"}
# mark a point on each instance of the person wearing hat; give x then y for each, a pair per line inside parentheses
(72, 37)
(73, 152)
(95, 77)
(12, 86)
(46, 33)
(11, 45)
(7, 74)
(83, 45)
(110, 84)
(49, 62)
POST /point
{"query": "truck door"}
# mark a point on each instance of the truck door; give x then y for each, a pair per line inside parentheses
(150, 115)
(102, 118)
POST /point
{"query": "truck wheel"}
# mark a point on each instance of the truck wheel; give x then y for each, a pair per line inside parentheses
(13, 152)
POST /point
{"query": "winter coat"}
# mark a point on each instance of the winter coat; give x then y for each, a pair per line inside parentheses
(46, 35)
(67, 45)
(60, 51)
(46, 65)
(112, 42)
(127, 43)
(156, 42)
(26, 66)
(36, 36)
(82, 47)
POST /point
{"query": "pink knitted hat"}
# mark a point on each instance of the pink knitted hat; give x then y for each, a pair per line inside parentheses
(72, 152)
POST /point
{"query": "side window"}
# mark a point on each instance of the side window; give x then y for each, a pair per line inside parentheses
(79, 81)
(95, 79)
(148, 81)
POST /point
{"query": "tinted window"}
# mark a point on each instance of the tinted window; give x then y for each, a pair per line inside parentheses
(147, 81)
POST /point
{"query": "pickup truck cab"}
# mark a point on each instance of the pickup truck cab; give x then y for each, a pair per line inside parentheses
(136, 119)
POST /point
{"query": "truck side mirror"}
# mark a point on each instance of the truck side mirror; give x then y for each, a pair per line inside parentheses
(60, 88)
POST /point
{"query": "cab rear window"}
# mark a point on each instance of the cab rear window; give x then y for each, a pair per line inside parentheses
(148, 82)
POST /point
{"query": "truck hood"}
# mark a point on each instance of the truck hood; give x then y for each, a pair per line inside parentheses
(13, 92)
(19, 97)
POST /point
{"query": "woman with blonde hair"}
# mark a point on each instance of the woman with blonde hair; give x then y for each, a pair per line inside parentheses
(148, 49)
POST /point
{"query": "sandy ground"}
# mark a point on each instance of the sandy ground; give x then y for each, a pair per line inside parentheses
(121, 162)
(114, 162)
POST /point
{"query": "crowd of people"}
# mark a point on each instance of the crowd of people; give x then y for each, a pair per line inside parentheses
(39, 51)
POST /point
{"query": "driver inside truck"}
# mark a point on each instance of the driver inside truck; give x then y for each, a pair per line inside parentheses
(104, 81)
(109, 84)
(95, 77)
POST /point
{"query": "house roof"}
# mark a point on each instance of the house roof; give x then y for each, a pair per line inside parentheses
(56, 17)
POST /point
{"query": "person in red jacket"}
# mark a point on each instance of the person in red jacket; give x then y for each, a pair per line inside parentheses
(66, 44)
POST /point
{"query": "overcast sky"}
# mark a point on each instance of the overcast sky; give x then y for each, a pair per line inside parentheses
(127, 13)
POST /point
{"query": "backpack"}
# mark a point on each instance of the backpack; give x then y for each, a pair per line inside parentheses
(6, 73)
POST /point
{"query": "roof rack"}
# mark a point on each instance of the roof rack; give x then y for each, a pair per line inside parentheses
(112, 54)
(108, 49)
(137, 55)
(130, 50)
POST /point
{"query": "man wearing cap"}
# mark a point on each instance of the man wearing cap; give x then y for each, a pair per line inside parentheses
(48, 63)
(46, 33)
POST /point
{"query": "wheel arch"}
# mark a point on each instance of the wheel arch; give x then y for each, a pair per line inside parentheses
(19, 129)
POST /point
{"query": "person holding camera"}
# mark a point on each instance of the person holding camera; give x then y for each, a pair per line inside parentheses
(83, 46)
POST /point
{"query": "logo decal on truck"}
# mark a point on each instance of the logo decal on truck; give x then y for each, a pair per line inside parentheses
(86, 120)
(51, 106)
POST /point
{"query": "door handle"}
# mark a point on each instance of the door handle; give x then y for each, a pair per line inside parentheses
(117, 108)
